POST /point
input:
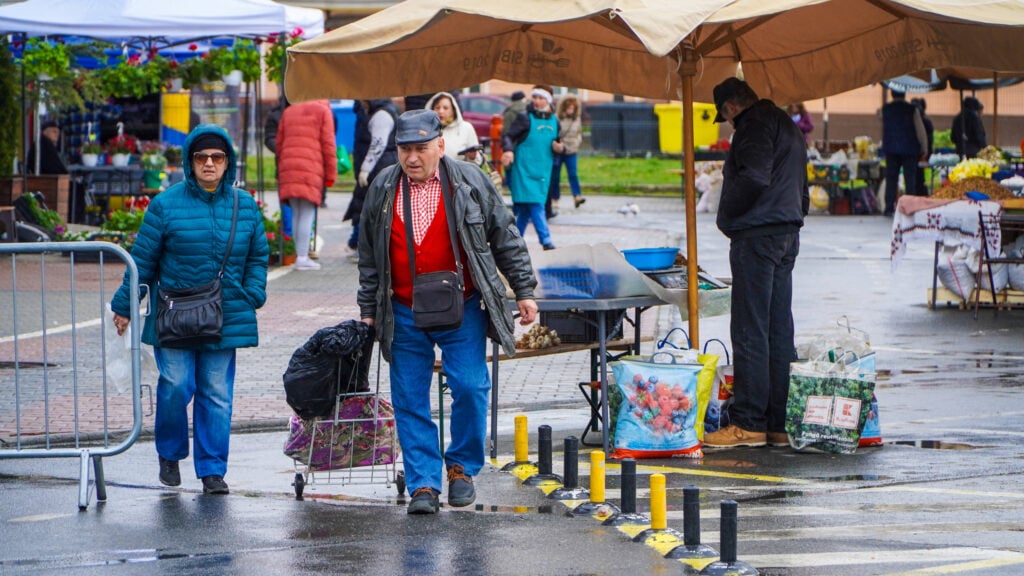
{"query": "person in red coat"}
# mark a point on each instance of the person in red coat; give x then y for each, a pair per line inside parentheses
(306, 162)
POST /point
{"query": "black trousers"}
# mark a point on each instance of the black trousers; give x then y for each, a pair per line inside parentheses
(762, 329)
(893, 164)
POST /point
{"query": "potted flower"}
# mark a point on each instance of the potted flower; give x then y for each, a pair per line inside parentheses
(247, 60)
(288, 256)
(153, 164)
(91, 153)
(173, 156)
(277, 52)
(121, 148)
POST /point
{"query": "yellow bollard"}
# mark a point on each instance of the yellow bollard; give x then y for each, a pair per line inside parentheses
(658, 503)
(521, 439)
(597, 476)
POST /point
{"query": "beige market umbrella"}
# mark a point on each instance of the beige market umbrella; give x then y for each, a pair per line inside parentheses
(790, 50)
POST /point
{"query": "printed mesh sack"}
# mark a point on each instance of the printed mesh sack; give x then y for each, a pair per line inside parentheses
(828, 406)
(370, 440)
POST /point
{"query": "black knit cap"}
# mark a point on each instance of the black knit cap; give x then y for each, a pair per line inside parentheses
(209, 141)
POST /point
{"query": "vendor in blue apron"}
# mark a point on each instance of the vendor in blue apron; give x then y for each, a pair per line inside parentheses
(530, 146)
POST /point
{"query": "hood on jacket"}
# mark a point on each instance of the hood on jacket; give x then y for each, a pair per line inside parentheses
(971, 103)
(564, 103)
(186, 165)
(455, 104)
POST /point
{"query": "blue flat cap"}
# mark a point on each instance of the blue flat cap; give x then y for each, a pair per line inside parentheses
(417, 126)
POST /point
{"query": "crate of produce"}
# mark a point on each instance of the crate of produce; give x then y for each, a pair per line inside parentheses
(568, 282)
(572, 327)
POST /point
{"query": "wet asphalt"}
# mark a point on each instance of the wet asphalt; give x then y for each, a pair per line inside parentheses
(943, 495)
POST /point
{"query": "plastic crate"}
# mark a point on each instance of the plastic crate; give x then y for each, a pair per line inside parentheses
(568, 282)
(575, 329)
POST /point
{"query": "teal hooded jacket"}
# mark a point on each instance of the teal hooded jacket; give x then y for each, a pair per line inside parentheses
(182, 241)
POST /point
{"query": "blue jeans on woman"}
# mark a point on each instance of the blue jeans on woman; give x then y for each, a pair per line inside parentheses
(463, 359)
(535, 212)
(208, 376)
(556, 175)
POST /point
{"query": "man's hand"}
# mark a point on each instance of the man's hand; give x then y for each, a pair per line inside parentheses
(557, 146)
(121, 323)
(364, 178)
(507, 157)
(527, 311)
(368, 321)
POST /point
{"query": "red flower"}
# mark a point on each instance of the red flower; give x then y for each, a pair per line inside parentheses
(297, 32)
(193, 47)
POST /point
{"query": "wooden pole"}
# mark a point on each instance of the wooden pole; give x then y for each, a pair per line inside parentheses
(995, 109)
(687, 71)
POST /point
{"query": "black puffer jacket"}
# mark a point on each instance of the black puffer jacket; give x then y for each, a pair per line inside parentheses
(765, 187)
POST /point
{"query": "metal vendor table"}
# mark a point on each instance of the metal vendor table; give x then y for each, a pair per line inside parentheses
(604, 308)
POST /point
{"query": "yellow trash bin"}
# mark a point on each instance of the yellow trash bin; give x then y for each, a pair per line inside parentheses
(670, 126)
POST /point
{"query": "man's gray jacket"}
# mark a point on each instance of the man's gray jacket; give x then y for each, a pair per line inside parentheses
(486, 231)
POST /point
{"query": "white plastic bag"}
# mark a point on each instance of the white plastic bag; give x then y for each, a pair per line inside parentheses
(119, 356)
(955, 270)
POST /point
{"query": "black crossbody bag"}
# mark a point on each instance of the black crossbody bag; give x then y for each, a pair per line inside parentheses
(438, 301)
(191, 317)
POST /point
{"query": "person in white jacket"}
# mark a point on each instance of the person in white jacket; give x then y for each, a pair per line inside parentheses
(457, 133)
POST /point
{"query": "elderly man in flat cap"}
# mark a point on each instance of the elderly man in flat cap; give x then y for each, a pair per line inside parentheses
(764, 200)
(407, 236)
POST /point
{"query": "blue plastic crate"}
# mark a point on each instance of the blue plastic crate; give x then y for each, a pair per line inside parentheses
(568, 282)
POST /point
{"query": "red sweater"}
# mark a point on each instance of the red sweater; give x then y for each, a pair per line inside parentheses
(432, 255)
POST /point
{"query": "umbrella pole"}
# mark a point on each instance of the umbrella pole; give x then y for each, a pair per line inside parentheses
(995, 108)
(692, 297)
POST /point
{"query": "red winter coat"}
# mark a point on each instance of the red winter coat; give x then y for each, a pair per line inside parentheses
(306, 159)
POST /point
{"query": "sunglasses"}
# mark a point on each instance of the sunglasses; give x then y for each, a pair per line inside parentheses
(217, 157)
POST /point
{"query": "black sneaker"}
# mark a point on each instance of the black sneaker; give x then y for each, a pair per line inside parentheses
(549, 246)
(424, 501)
(169, 474)
(214, 485)
(460, 487)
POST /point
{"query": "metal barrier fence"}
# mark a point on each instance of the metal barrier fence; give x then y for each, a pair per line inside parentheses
(58, 399)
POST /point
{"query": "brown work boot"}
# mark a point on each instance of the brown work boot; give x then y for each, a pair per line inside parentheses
(732, 437)
(778, 439)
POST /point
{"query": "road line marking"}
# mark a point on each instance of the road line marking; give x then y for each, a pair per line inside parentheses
(963, 567)
(849, 557)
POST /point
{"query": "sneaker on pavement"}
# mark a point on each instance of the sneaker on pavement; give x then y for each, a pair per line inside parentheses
(304, 263)
(549, 246)
(169, 474)
(579, 200)
(214, 485)
(424, 501)
(778, 439)
(460, 487)
(733, 436)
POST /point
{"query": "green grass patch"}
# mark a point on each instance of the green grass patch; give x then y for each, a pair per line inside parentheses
(618, 176)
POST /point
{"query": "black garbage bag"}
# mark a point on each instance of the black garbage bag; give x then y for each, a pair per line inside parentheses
(335, 360)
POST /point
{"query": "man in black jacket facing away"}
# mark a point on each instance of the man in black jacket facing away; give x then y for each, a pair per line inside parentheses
(764, 200)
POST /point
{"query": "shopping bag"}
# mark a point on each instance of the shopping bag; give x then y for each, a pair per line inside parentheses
(362, 434)
(716, 415)
(705, 378)
(344, 160)
(118, 357)
(654, 408)
(828, 405)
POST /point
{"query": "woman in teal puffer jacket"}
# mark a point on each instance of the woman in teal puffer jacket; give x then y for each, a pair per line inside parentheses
(181, 244)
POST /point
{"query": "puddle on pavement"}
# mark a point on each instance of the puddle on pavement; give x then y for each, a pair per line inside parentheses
(936, 444)
(851, 478)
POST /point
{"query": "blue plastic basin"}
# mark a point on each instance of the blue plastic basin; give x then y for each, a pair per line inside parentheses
(651, 258)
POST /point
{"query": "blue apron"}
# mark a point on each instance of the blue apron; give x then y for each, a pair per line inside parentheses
(531, 171)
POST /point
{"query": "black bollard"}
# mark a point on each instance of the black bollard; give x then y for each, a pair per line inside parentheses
(692, 548)
(728, 531)
(544, 474)
(570, 489)
(727, 563)
(627, 497)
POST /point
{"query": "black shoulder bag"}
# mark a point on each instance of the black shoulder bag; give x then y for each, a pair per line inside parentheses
(191, 317)
(437, 297)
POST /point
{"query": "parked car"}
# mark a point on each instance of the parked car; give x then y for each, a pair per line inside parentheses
(478, 109)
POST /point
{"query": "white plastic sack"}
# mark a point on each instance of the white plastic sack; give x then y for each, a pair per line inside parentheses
(119, 357)
(955, 270)
(1000, 277)
(1015, 272)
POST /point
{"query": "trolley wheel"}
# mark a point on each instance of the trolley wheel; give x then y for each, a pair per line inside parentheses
(400, 483)
(300, 484)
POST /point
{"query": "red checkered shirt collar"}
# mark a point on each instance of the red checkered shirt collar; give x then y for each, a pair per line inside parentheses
(425, 198)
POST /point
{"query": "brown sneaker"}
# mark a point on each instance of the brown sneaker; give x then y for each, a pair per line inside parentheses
(778, 439)
(733, 436)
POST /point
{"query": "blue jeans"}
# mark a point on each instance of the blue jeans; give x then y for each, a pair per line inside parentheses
(463, 358)
(535, 212)
(209, 378)
(556, 175)
(762, 329)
